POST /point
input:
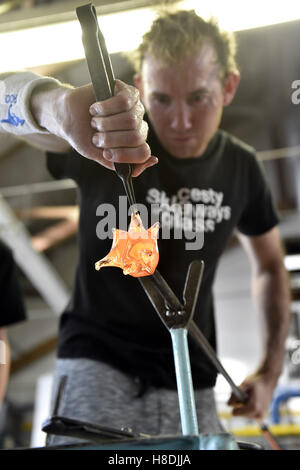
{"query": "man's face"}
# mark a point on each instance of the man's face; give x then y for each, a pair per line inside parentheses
(184, 102)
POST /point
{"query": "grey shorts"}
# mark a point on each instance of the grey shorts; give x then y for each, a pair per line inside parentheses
(97, 393)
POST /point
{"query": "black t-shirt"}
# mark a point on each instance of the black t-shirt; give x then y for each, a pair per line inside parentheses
(110, 318)
(12, 308)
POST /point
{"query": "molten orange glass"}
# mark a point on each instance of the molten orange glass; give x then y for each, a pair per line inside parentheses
(135, 251)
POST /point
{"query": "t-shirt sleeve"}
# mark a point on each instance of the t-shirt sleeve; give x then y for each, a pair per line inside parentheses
(12, 308)
(64, 165)
(259, 214)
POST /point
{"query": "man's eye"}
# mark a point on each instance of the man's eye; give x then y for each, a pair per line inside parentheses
(199, 98)
(162, 99)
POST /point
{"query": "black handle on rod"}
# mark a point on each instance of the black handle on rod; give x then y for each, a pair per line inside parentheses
(102, 81)
(102, 75)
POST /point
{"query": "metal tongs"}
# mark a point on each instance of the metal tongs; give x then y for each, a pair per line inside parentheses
(178, 319)
(102, 77)
(176, 316)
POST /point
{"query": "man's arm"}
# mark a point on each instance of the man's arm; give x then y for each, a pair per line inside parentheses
(4, 363)
(272, 295)
(54, 117)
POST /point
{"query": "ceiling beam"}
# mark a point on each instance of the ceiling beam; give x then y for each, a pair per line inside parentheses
(66, 11)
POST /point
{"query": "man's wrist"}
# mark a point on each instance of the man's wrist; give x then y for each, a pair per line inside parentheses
(271, 371)
(47, 104)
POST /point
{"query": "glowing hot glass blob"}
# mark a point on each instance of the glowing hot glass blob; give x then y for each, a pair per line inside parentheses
(135, 251)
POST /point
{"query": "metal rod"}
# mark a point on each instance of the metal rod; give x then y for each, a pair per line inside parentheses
(192, 286)
(185, 388)
(197, 334)
(166, 292)
(127, 183)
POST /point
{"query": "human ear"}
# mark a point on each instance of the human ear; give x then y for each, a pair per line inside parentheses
(230, 87)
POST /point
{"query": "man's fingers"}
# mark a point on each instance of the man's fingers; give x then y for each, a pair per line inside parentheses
(125, 99)
(233, 400)
(251, 408)
(122, 132)
(248, 411)
(94, 154)
(128, 155)
(124, 88)
(139, 168)
(244, 387)
(116, 139)
(125, 121)
(99, 156)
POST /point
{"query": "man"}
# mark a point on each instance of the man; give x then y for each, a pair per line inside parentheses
(113, 348)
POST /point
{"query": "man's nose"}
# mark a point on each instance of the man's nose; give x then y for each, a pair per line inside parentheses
(181, 118)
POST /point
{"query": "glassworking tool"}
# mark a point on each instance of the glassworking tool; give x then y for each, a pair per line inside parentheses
(171, 311)
(102, 77)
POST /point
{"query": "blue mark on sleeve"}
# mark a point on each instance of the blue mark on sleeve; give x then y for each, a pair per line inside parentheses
(12, 118)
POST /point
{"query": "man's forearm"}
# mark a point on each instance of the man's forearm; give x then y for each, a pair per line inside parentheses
(55, 117)
(272, 294)
(25, 100)
(44, 105)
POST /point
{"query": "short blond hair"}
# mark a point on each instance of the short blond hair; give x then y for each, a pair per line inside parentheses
(175, 35)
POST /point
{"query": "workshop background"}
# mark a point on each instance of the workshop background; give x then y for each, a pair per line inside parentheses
(38, 216)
